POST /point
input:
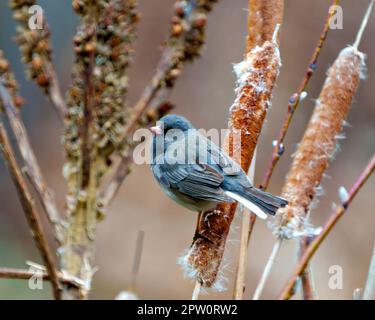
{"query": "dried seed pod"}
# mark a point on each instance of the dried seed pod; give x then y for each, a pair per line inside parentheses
(319, 142)
(256, 77)
(34, 44)
(95, 118)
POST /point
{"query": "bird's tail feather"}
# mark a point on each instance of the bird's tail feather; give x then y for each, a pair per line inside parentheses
(259, 202)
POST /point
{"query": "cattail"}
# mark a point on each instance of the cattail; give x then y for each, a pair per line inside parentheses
(319, 142)
(264, 16)
(256, 76)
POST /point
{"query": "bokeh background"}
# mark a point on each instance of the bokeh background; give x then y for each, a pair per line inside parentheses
(203, 94)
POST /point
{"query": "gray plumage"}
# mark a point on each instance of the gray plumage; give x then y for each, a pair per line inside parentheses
(204, 174)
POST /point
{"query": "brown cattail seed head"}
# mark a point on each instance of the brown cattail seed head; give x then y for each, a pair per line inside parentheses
(256, 77)
(319, 143)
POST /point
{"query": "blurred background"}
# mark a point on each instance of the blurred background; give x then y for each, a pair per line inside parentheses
(204, 93)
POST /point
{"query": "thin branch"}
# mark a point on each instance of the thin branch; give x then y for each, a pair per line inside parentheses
(197, 289)
(369, 292)
(308, 290)
(30, 211)
(33, 170)
(363, 25)
(267, 269)
(335, 217)
(292, 107)
(24, 274)
(239, 287)
(295, 99)
(137, 259)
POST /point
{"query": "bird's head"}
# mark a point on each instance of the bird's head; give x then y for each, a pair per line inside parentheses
(171, 122)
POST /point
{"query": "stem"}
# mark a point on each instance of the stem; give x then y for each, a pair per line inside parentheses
(363, 25)
(30, 210)
(33, 170)
(23, 274)
(335, 217)
(267, 269)
(196, 291)
(294, 101)
(137, 259)
(369, 292)
(308, 290)
(239, 287)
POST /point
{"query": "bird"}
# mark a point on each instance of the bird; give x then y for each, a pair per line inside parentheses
(197, 174)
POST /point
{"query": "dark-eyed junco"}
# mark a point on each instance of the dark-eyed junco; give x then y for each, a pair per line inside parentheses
(197, 174)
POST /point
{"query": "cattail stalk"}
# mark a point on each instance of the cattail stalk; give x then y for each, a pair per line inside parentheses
(369, 292)
(339, 212)
(320, 141)
(279, 148)
(263, 18)
(256, 76)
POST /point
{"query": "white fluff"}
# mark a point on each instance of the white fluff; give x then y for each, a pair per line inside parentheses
(251, 206)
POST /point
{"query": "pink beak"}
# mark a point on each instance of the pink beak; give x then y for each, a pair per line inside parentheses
(156, 130)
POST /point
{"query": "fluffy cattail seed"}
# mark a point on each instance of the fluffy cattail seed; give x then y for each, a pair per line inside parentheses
(319, 142)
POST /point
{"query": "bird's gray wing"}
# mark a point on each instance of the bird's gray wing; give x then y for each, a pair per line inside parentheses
(200, 181)
(218, 157)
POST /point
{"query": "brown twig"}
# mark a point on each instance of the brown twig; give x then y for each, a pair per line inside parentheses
(184, 45)
(369, 291)
(30, 211)
(23, 274)
(37, 54)
(335, 217)
(295, 99)
(137, 260)
(307, 283)
(33, 170)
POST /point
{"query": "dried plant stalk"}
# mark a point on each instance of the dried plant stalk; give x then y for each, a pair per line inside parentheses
(319, 142)
(95, 120)
(369, 292)
(256, 77)
(8, 101)
(22, 274)
(37, 53)
(263, 18)
(30, 210)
